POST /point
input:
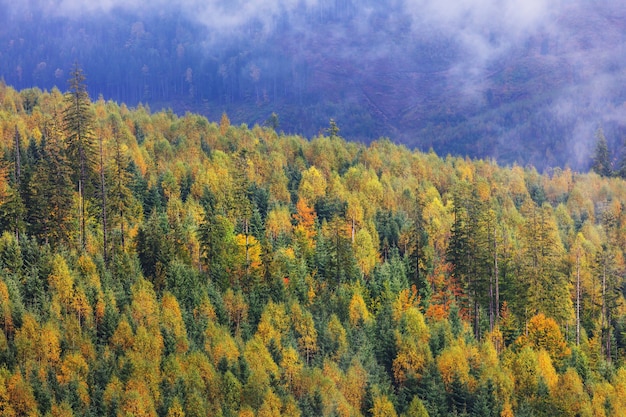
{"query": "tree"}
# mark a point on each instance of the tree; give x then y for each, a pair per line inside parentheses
(543, 284)
(416, 409)
(120, 195)
(412, 345)
(607, 273)
(333, 129)
(601, 156)
(78, 124)
(544, 333)
(49, 191)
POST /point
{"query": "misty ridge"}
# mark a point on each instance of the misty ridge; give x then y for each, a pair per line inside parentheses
(522, 82)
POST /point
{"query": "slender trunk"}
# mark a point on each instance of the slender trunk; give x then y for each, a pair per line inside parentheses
(104, 205)
(578, 297)
(245, 223)
(496, 273)
(604, 324)
(353, 230)
(18, 176)
(122, 229)
(18, 162)
(81, 208)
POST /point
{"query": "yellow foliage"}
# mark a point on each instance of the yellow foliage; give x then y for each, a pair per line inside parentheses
(136, 400)
(337, 337)
(271, 405)
(354, 385)
(546, 370)
(544, 333)
(260, 359)
(278, 222)
(236, 308)
(453, 365)
(144, 307)
(176, 409)
(274, 324)
(73, 368)
(62, 410)
(220, 344)
(60, 281)
(172, 320)
(412, 346)
(406, 299)
(365, 252)
(312, 185)
(357, 311)
(20, 396)
(291, 368)
(246, 412)
(507, 410)
(6, 318)
(383, 407)
(570, 394)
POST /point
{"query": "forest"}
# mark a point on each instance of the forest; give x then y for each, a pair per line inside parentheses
(161, 265)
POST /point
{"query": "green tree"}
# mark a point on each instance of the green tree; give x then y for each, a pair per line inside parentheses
(49, 192)
(601, 163)
(120, 197)
(78, 124)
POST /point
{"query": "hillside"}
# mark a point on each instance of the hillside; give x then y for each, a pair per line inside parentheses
(525, 84)
(235, 271)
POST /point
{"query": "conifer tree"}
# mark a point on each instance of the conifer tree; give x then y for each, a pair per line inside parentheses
(78, 127)
(602, 157)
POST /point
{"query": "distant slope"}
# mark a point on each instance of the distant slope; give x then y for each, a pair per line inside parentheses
(529, 92)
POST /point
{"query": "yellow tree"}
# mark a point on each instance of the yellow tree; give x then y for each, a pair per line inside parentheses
(365, 252)
(357, 310)
(6, 316)
(454, 366)
(20, 396)
(544, 333)
(337, 336)
(305, 329)
(220, 345)
(571, 396)
(236, 309)
(172, 322)
(312, 185)
(274, 324)
(61, 282)
(412, 346)
(278, 222)
(383, 407)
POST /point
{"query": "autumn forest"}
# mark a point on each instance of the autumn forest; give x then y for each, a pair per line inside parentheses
(161, 265)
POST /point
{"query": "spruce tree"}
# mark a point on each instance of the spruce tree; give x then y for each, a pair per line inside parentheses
(601, 156)
(78, 123)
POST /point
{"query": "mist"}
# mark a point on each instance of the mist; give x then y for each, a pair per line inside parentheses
(522, 82)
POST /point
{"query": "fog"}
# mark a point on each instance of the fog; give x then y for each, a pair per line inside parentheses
(525, 82)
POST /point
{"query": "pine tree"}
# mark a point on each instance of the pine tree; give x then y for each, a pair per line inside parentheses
(601, 156)
(419, 261)
(119, 195)
(49, 192)
(78, 126)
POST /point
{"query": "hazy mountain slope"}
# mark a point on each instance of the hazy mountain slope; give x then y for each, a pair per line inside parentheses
(527, 83)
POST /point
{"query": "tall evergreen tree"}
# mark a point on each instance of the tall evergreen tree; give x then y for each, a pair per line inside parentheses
(419, 261)
(120, 197)
(601, 156)
(49, 191)
(78, 123)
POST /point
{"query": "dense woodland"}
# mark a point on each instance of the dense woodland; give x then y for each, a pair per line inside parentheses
(157, 265)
